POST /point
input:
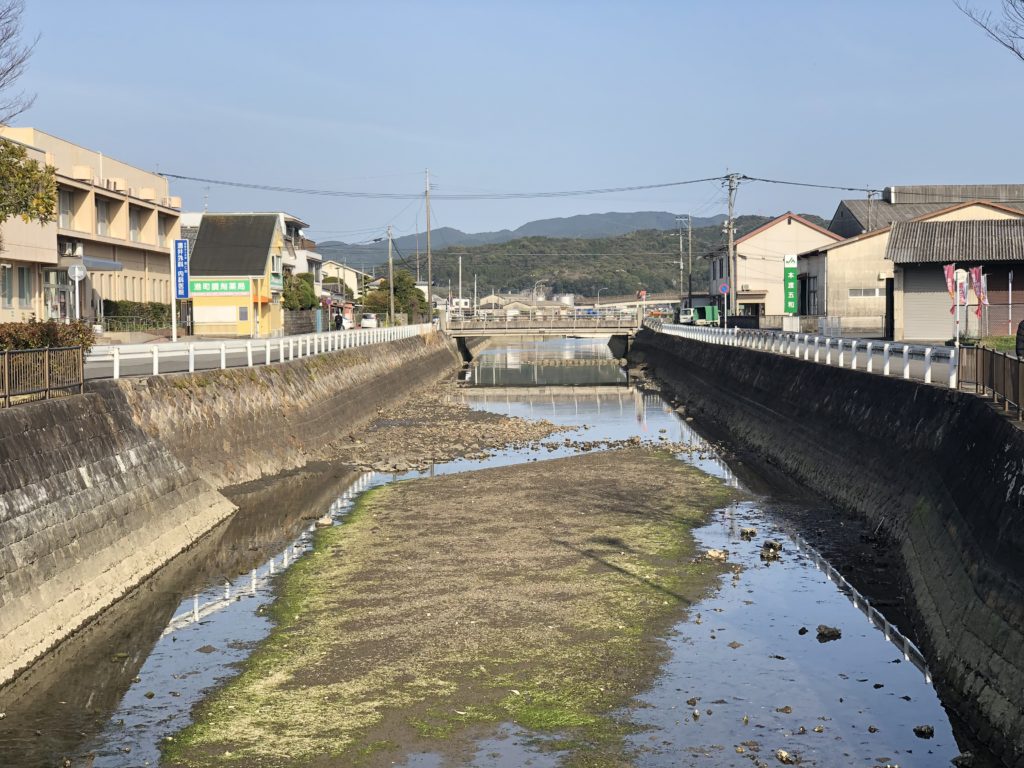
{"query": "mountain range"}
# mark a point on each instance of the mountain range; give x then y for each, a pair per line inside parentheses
(592, 225)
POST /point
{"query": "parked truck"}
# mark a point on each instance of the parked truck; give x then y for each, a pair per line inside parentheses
(697, 316)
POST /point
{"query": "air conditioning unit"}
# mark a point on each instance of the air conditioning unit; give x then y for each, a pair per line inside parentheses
(745, 287)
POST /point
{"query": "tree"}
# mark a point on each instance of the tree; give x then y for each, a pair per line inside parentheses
(1009, 32)
(409, 300)
(13, 59)
(298, 292)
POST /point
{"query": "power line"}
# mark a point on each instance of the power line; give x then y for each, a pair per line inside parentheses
(744, 177)
(442, 195)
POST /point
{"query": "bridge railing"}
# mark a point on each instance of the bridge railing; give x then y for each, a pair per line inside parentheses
(582, 322)
(930, 364)
(239, 353)
(996, 372)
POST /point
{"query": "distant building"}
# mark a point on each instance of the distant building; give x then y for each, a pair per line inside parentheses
(852, 279)
(116, 220)
(758, 282)
(237, 274)
(918, 251)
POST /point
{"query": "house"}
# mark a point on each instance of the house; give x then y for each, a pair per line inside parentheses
(300, 256)
(760, 256)
(851, 280)
(919, 250)
(236, 274)
(116, 220)
(351, 278)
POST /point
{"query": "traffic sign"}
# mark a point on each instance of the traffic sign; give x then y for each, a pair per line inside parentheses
(77, 272)
(723, 288)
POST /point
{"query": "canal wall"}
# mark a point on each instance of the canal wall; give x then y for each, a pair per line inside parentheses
(941, 471)
(98, 491)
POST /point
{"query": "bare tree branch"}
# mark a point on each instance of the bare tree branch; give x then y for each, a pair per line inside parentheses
(13, 59)
(1009, 32)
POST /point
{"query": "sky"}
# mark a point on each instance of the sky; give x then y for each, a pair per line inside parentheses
(527, 96)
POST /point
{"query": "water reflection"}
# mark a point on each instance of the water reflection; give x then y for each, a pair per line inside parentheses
(554, 363)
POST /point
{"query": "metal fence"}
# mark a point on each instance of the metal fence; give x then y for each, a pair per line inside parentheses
(115, 361)
(129, 323)
(41, 374)
(1000, 373)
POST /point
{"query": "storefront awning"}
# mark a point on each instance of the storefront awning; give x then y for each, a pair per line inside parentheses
(102, 265)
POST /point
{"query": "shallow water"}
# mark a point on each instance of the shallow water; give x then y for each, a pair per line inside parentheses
(197, 644)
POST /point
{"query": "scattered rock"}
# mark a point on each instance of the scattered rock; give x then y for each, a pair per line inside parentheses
(827, 634)
(784, 757)
(786, 710)
(802, 631)
(770, 550)
(872, 729)
(206, 649)
(818, 729)
(324, 522)
(734, 645)
(748, 533)
(924, 731)
(718, 555)
(150, 695)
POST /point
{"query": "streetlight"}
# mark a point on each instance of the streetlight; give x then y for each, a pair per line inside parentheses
(599, 296)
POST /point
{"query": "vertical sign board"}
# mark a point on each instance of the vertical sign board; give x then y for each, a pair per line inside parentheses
(790, 304)
(181, 269)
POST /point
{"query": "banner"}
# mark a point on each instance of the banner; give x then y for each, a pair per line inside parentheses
(979, 289)
(950, 271)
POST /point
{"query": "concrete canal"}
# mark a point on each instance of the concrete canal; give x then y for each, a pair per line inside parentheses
(735, 670)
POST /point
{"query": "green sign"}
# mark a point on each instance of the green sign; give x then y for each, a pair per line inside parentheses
(276, 283)
(790, 288)
(221, 286)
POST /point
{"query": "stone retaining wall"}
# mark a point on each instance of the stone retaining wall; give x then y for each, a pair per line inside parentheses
(98, 491)
(941, 470)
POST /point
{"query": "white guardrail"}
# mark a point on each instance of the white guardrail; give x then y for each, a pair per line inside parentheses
(885, 358)
(227, 353)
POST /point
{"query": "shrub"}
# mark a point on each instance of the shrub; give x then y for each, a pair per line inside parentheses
(36, 335)
(151, 310)
(298, 292)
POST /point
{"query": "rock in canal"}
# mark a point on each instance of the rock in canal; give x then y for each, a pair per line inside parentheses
(924, 731)
(748, 533)
(827, 633)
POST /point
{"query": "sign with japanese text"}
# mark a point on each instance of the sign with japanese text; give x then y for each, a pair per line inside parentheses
(181, 269)
(790, 287)
(220, 286)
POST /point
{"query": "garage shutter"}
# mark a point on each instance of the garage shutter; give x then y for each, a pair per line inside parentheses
(926, 315)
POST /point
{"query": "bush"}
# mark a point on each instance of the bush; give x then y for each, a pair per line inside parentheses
(153, 311)
(298, 292)
(36, 335)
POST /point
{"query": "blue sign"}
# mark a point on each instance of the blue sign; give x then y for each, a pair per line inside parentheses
(181, 269)
(723, 289)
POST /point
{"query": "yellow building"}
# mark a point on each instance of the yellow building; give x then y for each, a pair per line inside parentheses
(236, 275)
(113, 218)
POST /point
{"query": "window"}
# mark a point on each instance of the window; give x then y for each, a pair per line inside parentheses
(243, 314)
(65, 203)
(133, 224)
(275, 264)
(102, 216)
(812, 295)
(7, 284)
(859, 293)
(24, 287)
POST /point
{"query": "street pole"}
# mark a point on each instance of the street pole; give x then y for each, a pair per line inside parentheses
(474, 295)
(732, 267)
(430, 273)
(460, 283)
(1009, 300)
(689, 274)
(680, 220)
(391, 282)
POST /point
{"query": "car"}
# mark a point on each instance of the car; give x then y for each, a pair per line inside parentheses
(368, 320)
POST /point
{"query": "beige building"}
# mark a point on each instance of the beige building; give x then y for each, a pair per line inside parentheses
(850, 280)
(117, 220)
(352, 279)
(759, 262)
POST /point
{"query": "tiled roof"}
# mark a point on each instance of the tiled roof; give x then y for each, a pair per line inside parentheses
(868, 215)
(926, 242)
(233, 245)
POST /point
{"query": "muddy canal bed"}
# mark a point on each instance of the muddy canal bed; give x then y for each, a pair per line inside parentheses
(737, 653)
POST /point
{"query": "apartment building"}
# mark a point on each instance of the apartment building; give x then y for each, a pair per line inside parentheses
(117, 220)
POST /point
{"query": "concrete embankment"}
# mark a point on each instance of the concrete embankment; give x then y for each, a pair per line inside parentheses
(940, 470)
(98, 491)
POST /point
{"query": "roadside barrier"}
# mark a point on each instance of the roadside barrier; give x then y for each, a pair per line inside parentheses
(885, 358)
(242, 353)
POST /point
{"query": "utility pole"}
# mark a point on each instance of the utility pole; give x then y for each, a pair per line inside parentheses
(731, 268)
(391, 282)
(680, 220)
(689, 274)
(460, 283)
(430, 273)
(474, 295)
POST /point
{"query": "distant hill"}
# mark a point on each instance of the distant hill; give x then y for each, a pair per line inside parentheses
(590, 225)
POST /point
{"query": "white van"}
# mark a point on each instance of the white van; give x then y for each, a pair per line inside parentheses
(368, 320)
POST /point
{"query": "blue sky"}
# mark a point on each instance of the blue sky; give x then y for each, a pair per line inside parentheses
(527, 96)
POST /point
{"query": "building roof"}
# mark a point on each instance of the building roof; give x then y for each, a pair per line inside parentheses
(942, 242)
(784, 217)
(233, 244)
(854, 217)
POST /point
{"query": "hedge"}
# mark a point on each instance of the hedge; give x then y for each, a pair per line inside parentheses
(151, 310)
(36, 335)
